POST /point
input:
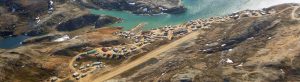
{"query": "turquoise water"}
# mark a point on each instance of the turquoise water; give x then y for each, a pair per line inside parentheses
(195, 9)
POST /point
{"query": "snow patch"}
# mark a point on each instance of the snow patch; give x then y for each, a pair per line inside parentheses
(64, 38)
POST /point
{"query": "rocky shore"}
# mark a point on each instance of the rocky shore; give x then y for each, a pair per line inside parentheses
(145, 7)
(251, 45)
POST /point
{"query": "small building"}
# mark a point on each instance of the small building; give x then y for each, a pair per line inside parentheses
(75, 74)
(88, 65)
(77, 78)
(96, 63)
(83, 75)
(262, 12)
(92, 52)
(53, 79)
(104, 49)
(180, 31)
(115, 49)
(82, 67)
(75, 65)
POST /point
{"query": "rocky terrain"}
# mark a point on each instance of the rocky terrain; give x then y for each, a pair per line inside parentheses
(42, 58)
(58, 31)
(39, 17)
(248, 49)
(149, 7)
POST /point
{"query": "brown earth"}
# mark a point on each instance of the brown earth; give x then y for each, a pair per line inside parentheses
(263, 49)
(39, 61)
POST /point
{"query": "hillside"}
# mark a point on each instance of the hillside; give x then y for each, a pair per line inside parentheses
(253, 49)
(73, 45)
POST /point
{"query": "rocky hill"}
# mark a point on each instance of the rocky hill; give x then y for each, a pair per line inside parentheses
(39, 17)
(40, 57)
(260, 48)
(247, 49)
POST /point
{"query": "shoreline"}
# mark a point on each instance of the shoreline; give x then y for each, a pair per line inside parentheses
(143, 38)
(136, 7)
(166, 19)
(129, 41)
(148, 29)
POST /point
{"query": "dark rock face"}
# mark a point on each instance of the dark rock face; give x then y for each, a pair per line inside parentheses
(17, 16)
(77, 23)
(36, 32)
(27, 7)
(254, 30)
(176, 10)
(86, 20)
(104, 20)
(6, 33)
(42, 29)
(112, 4)
(71, 50)
(137, 7)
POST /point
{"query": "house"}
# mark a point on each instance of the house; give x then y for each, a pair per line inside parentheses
(75, 74)
(96, 63)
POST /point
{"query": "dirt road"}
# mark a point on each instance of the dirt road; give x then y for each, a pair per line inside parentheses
(156, 52)
(126, 67)
(294, 12)
(72, 63)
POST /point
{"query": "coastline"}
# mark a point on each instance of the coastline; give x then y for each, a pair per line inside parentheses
(177, 33)
(167, 19)
(179, 30)
(193, 12)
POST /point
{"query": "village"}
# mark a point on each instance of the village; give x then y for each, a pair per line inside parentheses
(88, 62)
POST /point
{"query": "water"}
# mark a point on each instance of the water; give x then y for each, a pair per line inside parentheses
(196, 9)
(12, 42)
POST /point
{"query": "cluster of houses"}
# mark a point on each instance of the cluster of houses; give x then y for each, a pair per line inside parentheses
(108, 52)
(206, 23)
(251, 13)
(138, 40)
(77, 76)
(83, 69)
